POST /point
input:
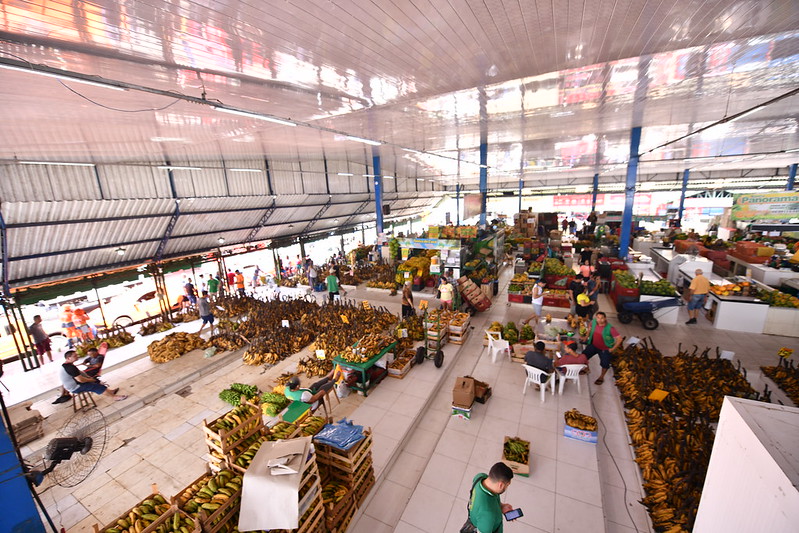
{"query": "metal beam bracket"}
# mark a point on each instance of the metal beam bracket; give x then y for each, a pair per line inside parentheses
(261, 223)
(168, 233)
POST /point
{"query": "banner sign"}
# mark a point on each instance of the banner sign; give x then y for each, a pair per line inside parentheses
(766, 206)
(431, 244)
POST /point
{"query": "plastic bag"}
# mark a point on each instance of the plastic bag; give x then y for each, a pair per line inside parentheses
(210, 352)
(342, 435)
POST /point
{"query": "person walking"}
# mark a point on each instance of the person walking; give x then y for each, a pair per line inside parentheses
(240, 283)
(206, 313)
(602, 339)
(538, 301)
(407, 300)
(698, 290)
(313, 275)
(213, 288)
(484, 506)
(41, 340)
(446, 292)
(332, 285)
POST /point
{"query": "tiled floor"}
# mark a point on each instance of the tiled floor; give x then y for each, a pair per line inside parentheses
(423, 458)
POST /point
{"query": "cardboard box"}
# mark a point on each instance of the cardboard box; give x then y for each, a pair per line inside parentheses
(460, 412)
(520, 469)
(463, 392)
(579, 434)
(482, 391)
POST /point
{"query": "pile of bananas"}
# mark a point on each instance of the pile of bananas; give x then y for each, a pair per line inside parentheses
(174, 345)
(576, 419)
(210, 493)
(786, 375)
(232, 307)
(235, 420)
(575, 322)
(367, 347)
(334, 491)
(245, 458)
(147, 512)
(334, 335)
(404, 345)
(673, 438)
(258, 353)
(516, 450)
(281, 430)
(313, 367)
(459, 319)
(402, 360)
(284, 378)
(415, 327)
(312, 425)
(115, 340)
(155, 327)
(188, 316)
(226, 341)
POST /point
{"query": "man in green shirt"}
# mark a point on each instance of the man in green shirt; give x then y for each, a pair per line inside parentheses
(485, 507)
(332, 285)
(213, 287)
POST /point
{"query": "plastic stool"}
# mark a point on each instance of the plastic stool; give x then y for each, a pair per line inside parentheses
(85, 400)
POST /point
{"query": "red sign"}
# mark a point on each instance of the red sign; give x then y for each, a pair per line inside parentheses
(577, 200)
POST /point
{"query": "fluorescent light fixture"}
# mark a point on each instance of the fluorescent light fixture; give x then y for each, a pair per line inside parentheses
(419, 179)
(362, 140)
(120, 251)
(245, 170)
(345, 174)
(166, 139)
(411, 150)
(56, 163)
(433, 181)
(250, 114)
(792, 150)
(370, 175)
(753, 110)
(389, 177)
(172, 167)
(63, 77)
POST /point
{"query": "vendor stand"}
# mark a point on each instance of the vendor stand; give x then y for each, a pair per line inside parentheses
(364, 384)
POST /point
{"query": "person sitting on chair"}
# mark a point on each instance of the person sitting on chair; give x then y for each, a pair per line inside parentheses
(312, 395)
(76, 381)
(571, 357)
(94, 363)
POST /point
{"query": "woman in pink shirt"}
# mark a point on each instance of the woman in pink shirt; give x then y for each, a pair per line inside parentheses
(586, 269)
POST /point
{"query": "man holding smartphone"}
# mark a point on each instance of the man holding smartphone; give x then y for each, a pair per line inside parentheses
(485, 508)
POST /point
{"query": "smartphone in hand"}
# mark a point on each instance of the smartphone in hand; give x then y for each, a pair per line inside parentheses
(513, 514)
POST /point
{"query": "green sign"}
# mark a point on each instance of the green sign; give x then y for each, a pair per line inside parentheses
(766, 206)
(431, 244)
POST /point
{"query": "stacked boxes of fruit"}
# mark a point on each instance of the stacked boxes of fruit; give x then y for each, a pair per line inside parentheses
(153, 514)
(233, 433)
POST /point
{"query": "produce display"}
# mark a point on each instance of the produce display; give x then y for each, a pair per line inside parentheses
(554, 266)
(367, 347)
(419, 267)
(282, 430)
(510, 333)
(415, 327)
(247, 455)
(335, 336)
(527, 333)
(625, 279)
(284, 378)
(786, 375)
(272, 403)
(174, 345)
(155, 327)
(657, 288)
(312, 366)
(673, 438)
(535, 267)
(227, 342)
(578, 324)
(578, 420)
(210, 494)
(496, 326)
(777, 298)
(516, 450)
(458, 319)
(402, 360)
(312, 425)
(334, 491)
(147, 512)
(732, 289)
(233, 394)
(120, 338)
(234, 420)
(188, 316)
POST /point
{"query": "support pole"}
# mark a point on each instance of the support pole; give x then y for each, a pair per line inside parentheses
(378, 197)
(521, 186)
(685, 175)
(458, 204)
(791, 177)
(629, 192)
(596, 191)
(483, 182)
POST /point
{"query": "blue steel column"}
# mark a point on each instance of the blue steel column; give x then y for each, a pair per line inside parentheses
(791, 177)
(378, 189)
(521, 186)
(483, 182)
(458, 204)
(629, 192)
(596, 191)
(686, 173)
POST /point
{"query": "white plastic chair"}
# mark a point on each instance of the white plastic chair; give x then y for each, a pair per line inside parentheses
(573, 374)
(496, 344)
(534, 376)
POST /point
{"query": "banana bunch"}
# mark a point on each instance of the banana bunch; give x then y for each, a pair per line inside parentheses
(174, 345)
(284, 378)
(334, 491)
(281, 430)
(257, 355)
(517, 450)
(226, 341)
(144, 514)
(367, 347)
(313, 367)
(188, 316)
(459, 319)
(399, 363)
(218, 458)
(312, 425)
(415, 327)
(155, 327)
(246, 457)
(576, 419)
(235, 418)
(787, 377)
(210, 494)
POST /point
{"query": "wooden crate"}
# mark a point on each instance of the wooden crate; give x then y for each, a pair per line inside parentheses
(346, 460)
(361, 492)
(334, 512)
(168, 514)
(229, 444)
(459, 339)
(352, 479)
(400, 373)
(342, 523)
(211, 521)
